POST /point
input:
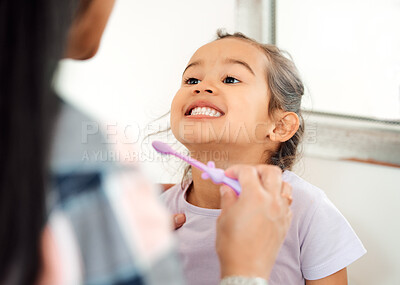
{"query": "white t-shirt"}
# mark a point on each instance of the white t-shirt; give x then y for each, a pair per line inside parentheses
(319, 242)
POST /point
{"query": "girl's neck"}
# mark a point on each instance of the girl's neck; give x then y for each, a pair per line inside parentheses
(204, 193)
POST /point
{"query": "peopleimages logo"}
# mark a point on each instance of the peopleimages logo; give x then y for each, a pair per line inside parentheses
(110, 139)
(116, 133)
(233, 133)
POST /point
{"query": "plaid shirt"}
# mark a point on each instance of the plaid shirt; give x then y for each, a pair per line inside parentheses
(105, 217)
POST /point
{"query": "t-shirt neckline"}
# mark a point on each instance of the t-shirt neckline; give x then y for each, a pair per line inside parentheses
(195, 209)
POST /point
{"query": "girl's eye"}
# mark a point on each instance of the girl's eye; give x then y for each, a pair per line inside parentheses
(231, 80)
(192, 81)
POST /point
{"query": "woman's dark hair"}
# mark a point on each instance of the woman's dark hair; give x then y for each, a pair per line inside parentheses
(32, 39)
(286, 91)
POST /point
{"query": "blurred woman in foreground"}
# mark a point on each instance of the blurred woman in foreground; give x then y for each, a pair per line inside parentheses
(64, 221)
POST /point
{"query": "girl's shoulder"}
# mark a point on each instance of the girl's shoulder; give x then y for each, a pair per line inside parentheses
(303, 191)
(174, 191)
(173, 197)
(327, 241)
(307, 199)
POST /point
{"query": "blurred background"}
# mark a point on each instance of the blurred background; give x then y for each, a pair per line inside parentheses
(348, 53)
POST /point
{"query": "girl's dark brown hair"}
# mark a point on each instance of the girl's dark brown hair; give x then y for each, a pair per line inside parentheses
(286, 90)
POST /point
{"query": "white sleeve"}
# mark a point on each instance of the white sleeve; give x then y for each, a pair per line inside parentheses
(330, 244)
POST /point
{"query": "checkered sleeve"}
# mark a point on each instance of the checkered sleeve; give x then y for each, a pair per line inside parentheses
(112, 229)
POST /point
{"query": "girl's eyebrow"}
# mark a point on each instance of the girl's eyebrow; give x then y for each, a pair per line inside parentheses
(193, 64)
(228, 61)
(236, 61)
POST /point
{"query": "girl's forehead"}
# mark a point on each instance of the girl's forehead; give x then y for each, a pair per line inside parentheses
(238, 49)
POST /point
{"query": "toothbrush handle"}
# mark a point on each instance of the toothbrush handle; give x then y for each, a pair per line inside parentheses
(234, 184)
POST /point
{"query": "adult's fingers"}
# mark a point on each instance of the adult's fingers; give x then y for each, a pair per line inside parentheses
(233, 171)
(287, 193)
(271, 177)
(178, 220)
(247, 177)
(228, 197)
(286, 196)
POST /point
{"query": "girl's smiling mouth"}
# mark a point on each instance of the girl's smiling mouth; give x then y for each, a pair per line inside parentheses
(203, 109)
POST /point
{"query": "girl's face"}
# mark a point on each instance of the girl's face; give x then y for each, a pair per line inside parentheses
(223, 96)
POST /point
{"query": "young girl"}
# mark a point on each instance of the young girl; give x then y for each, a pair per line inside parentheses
(239, 102)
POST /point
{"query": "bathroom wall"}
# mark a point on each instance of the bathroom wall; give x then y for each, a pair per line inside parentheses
(368, 196)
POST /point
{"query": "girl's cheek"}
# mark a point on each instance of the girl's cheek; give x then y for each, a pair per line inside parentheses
(174, 107)
(177, 101)
(174, 126)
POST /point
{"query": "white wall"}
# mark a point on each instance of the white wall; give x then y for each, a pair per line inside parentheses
(144, 51)
(138, 68)
(348, 52)
(369, 197)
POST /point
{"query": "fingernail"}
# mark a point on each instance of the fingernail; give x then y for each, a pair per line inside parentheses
(179, 219)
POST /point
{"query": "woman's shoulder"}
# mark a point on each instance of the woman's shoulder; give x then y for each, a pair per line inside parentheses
(79, 143)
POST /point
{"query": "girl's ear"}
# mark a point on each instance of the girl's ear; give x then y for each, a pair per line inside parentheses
(286, 125)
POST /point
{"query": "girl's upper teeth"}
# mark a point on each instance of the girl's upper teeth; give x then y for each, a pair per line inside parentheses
(205, 111)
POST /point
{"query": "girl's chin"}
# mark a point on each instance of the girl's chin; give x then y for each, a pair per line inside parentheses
(200, 139)
(198, 142)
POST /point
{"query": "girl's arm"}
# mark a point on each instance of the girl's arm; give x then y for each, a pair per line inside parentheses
(338, 278)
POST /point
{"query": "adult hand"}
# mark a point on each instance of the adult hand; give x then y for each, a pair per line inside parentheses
(178, 220)
(252, 227)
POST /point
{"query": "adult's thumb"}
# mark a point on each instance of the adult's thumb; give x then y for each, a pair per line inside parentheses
(228, 197)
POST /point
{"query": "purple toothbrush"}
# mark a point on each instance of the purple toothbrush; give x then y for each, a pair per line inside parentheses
(217, 175)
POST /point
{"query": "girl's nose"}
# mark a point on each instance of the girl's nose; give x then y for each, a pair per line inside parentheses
(197, 91)
(204, 87)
